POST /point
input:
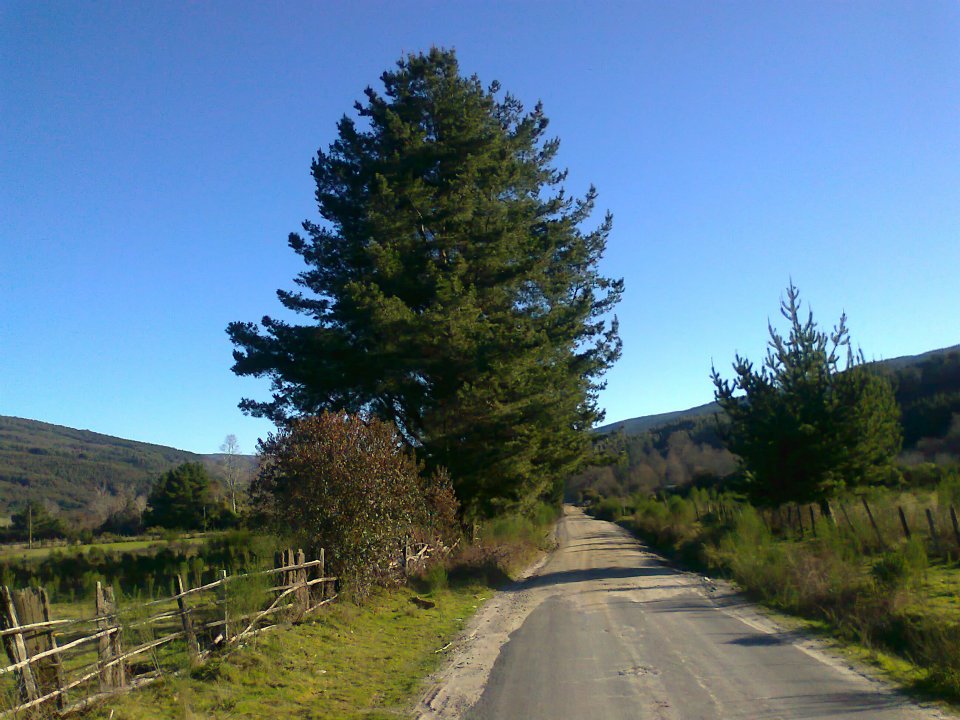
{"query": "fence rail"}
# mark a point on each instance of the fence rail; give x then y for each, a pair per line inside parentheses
(54, 669)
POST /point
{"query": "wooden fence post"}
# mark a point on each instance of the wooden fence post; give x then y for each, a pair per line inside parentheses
(813, 521)
(55, 667)
(853, 529)
(873, 523)
(800, 521)
(302, 594)
(16, 648)
(222, 597)
(933, 532)
(109, 647)
(33, 607)
(323, 572)
(903, 521)
(193, 650)
(956, 525)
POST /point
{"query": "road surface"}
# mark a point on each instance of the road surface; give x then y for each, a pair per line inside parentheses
(605, 630)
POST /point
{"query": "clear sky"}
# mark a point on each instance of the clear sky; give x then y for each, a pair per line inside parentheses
(155, 155)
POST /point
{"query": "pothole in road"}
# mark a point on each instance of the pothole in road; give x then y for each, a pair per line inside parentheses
(639, 670)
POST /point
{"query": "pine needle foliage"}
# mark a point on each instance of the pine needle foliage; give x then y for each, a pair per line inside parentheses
(804, 426)
(450, 288)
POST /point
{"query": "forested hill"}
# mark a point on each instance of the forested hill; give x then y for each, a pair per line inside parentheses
(917, 377)
(676, 448)
(82, 472)
(641, 424)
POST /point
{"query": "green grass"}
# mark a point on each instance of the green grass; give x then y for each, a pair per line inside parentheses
(348, 663)
(8, 552)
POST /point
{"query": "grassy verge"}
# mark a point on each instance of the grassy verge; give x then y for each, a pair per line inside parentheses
(349, 662)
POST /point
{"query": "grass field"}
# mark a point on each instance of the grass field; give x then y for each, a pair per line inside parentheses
(18, 552)
(348, 663)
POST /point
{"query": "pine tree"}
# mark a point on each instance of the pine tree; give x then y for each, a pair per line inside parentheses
(804, 427)
(180, 498)
(450, 288)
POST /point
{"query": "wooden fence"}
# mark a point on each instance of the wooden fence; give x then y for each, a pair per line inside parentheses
(62, 665)
(938, 526)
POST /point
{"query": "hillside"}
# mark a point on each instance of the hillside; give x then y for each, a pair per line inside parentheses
(84, 473)
(676, 448)
(917, 377)
(637, 425)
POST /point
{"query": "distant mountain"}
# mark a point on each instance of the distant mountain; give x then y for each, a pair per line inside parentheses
(903, 361)
(912, 364)
(637, 425)
(80, 471)
(674, 449)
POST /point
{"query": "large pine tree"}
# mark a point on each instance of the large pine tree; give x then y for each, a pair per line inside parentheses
(450, 288)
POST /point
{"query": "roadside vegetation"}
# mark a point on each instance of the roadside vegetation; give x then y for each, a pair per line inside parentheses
(889, 594)
(821, 518)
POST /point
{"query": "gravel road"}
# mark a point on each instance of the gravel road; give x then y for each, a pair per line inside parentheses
(605, 630)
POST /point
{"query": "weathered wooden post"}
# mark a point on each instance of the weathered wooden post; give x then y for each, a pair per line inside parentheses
(956, 525)
(873, 523)
(934, 535)
(225, 610)
(16, 647)
(323, 572)
(189, 636)
(853, 529)
(109, 645)
(33, 608)
(53, 666)
(903, 522)
(302, 593)
(813, 520)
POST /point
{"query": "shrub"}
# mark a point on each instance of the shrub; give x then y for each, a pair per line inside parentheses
(348, 484)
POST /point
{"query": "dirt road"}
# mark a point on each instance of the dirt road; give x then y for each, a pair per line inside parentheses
(604, 630)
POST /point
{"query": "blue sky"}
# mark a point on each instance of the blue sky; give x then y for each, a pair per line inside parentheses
(154, 157)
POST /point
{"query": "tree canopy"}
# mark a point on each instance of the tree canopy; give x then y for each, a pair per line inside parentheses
(804, 427)
(450, 288)
(180, 498)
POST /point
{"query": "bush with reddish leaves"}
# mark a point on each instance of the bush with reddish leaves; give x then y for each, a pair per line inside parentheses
(351, 485)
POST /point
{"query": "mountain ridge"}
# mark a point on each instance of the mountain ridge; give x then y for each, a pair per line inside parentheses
(643, 423)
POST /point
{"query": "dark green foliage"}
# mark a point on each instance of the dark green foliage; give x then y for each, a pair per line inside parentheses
(804, 428)
(349, 485)
(181, 499)
(450, 288)
(929, 394)
(35, 522)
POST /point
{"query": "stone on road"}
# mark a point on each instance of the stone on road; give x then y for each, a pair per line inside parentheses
(609, 631)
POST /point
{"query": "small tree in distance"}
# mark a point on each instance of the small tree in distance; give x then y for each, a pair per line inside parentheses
(803, 427)
(230, 468)
(180, 499)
